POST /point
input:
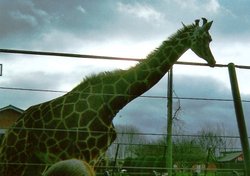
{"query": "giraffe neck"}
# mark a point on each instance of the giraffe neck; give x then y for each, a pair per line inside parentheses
(157, 63)
(131, 83)
(116, 89)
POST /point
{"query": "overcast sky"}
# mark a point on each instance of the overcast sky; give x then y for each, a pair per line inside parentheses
(126, 29)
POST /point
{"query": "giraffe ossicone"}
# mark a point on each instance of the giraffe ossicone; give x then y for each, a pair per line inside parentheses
(79, 123)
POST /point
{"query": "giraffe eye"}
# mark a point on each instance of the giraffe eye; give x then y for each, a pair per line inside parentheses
(210, 39)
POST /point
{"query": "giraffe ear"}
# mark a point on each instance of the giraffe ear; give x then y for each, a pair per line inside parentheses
(207, 26)
(197, 22)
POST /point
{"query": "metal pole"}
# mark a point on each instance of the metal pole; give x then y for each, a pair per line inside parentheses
(240, 117)
(45, 53)
(169, 161)
(116, 154)
(1, 69)
(207, 160)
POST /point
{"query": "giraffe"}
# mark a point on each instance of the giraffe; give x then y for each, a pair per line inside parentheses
(79, 123)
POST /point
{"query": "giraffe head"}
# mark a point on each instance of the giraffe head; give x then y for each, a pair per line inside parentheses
(200, 39)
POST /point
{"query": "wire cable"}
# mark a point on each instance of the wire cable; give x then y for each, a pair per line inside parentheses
(142, 96)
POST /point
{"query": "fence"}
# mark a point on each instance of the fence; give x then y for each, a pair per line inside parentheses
(215, 155)
(191, 153)
(145, 165)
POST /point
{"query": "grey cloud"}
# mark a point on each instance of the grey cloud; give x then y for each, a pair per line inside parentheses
(23, 23)
(99, 20)
(26, 98)
(20, 17)
(26, 21)
(204, 86)
(148, 115)
(26, 24)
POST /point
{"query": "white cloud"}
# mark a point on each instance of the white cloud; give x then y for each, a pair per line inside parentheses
(81, 9)
(141, 11)
(211, 6)
(31, 20)
(192, 4)
(27, 13)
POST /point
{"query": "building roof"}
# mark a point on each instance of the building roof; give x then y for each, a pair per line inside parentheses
(12, 108)
(230, 156)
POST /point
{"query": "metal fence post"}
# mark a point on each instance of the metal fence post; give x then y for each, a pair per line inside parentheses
(240, 116)
(1, 69)
(169, 157)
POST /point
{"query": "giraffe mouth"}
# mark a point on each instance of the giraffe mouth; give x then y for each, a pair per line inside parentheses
(210, 58)
(212, 64)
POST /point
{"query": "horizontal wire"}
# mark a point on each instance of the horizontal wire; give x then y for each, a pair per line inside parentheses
(21, 163)
(119, 133)
(32, 90)
(145, 168)
(142, 96)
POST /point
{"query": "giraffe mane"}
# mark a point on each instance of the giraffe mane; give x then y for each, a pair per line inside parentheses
(184, 29)
(95, 78)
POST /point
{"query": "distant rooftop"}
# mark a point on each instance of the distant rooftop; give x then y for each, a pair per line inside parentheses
(230, 156)
(13, 108)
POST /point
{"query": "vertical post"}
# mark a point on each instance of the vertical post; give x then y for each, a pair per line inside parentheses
(207, 160)
(1, 69)
(240, 117)
(116, 154)
(169, 161)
